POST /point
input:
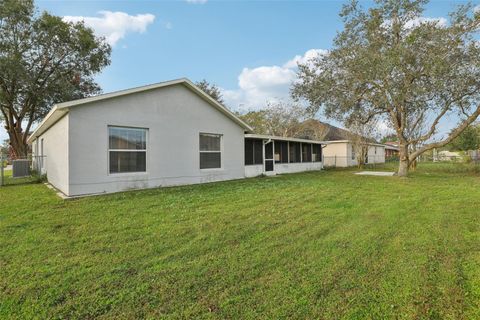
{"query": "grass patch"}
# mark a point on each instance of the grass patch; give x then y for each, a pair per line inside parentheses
(10, 181)
(329, 245)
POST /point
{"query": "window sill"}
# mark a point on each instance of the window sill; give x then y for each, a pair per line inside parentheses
(211, 169)
(123, 174)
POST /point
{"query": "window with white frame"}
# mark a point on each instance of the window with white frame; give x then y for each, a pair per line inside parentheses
(353, 153)
(127, 149)
(210, 151)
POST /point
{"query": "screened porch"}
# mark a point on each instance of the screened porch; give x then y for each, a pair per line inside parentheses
(273, 155)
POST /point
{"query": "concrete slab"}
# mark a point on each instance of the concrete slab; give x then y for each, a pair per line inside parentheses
(376, 173)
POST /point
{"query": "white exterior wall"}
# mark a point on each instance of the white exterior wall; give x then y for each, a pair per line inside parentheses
(378, 157)
(174, 117)
(297, 167)
(337, 154)
(253, 170)
(281, 168)
(55, 152)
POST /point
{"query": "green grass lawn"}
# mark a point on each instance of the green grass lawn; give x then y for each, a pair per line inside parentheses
(9, 180)
(326, 245)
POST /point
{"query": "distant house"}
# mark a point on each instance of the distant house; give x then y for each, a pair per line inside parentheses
(341, 153)
(318, 130)
(391, 149)
(170, 133)
(339, 150)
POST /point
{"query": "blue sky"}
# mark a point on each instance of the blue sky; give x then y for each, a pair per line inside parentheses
(248, 48)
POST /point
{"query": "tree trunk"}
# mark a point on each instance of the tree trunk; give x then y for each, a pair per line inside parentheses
(404, 163)
(20, 148)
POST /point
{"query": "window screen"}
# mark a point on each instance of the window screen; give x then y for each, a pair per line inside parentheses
(127, 148)
(281, 152)
(258, 152)
(306, 152)
(317, 153)
(253, 152)
(210, 151)
(294, 152)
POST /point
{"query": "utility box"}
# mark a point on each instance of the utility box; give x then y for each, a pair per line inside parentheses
(20, 168)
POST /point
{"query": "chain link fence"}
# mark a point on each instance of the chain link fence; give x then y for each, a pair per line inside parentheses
(372, 161)
(379, 161)
(21, 170)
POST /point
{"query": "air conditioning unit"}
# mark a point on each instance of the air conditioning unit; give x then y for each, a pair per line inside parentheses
(20, 168)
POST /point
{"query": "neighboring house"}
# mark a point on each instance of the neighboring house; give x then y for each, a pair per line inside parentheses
(391, 149)
(314, 129)
(446, 155)
(341, 153)
(170, 133)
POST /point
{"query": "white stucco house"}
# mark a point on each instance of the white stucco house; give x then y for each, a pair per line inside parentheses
(165, 134)
(341, 153)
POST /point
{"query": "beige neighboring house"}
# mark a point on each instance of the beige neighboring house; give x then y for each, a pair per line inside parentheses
(448, 156)
(341, 153)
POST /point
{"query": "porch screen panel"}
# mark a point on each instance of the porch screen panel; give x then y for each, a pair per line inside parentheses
(248, 152)
(253, 152)
(294, 152)
(258, 152)
(281, 152)
(317, 152)
(306, 152)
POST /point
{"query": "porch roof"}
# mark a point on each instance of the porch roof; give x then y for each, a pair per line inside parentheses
(277, 138)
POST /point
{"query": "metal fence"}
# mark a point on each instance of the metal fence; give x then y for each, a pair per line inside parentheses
(21, 170)
(344, 161)
(379, 161)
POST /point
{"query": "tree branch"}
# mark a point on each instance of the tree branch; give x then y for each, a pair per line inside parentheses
(455, 133)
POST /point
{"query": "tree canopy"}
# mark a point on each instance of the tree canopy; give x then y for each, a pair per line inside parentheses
(276, 118)
(392, 65)
(469, 139)
(211, 89)
(43, 60)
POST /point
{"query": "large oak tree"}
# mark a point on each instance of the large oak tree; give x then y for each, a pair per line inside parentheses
(43, 60)
(391, 64)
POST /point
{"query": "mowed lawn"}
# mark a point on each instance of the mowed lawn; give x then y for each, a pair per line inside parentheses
(326, 245)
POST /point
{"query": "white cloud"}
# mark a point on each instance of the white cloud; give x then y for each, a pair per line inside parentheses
(115, 25)
(197, 1)
(257, 86)
(476, 9)
(442, 22)
(308, 56)
(415, 22)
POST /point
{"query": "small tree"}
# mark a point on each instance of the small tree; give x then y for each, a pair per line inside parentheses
(392, 65)
(469, 139)
(277, 118)
(361, 135)
(211, 89)
(388, 137)
(257, 120)
(43, 60)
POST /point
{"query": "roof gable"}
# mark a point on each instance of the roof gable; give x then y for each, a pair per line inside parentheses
(61, 108)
